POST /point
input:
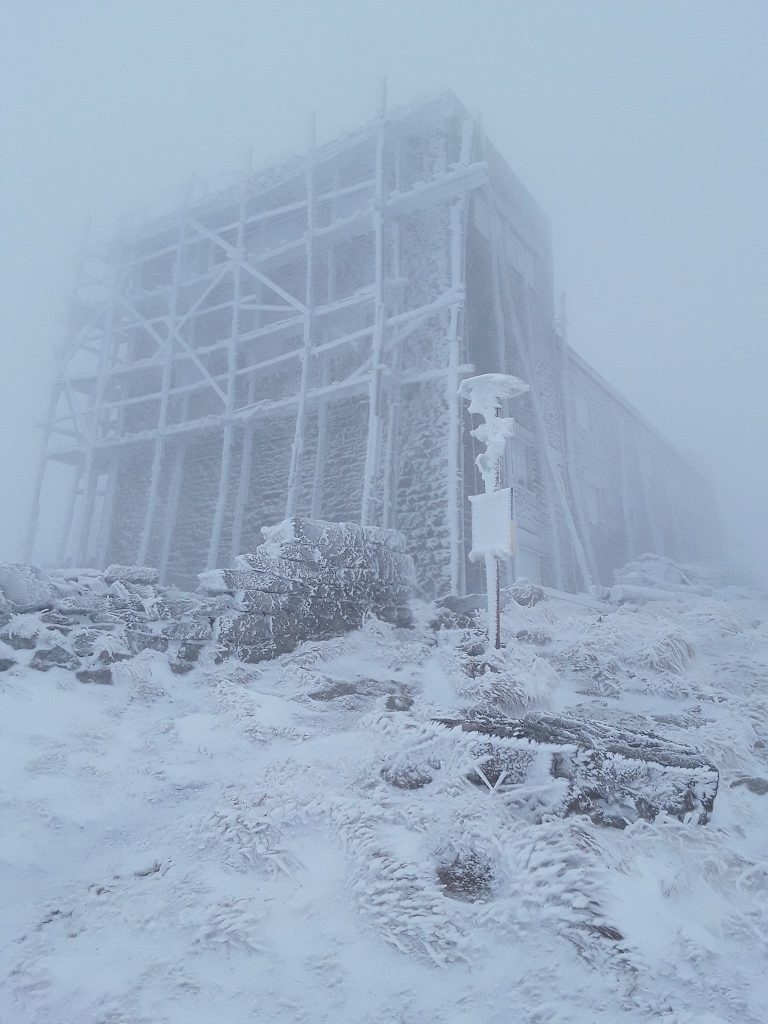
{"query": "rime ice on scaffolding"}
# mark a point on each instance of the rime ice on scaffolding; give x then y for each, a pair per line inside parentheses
(294, 344)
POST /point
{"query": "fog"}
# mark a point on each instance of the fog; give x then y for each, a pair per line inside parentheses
(640, 128)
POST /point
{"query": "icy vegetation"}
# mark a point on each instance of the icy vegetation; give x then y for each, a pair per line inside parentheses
(397, 826)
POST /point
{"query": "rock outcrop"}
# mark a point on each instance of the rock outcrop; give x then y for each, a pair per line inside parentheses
(614, 775)
(309, 581)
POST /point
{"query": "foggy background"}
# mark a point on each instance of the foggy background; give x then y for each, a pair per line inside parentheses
(640, 128)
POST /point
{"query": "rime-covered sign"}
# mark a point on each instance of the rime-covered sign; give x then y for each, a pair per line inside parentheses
(492, 526)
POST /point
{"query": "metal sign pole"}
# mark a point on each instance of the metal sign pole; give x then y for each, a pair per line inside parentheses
(492, 510)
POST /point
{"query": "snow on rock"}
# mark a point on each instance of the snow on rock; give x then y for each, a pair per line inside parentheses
(24, 588)
(655, 578)
(615, 775)
(302, 840)
(311, 579)
(137, 574)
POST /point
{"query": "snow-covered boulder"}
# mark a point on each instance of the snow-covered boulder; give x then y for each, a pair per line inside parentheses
(141, 575)
(311, 580)
(614, 775)
(654, 578)
(25, 588)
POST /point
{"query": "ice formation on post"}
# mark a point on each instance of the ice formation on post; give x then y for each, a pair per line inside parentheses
(492, 511)
(293, 345)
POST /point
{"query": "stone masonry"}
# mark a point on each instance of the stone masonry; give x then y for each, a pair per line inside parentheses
(309, 580)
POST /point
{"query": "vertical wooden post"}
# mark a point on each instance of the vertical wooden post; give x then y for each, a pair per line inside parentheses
(228, 432)
(77, 475)
(318, 480)
(89, 478)
(34, 519)
(244, 484)
(371, 471)
(626, 501)
(455, 486)
(294, 469)
(172, 507)
(154, 480)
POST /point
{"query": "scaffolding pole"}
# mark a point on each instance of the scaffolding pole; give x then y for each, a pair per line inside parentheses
(297, 448)
(228, 433)
(371, 470)
(89, 476)
(453, 378)
(244, 484)
(167, 372)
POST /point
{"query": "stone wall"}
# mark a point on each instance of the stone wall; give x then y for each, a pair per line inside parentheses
(309, 580)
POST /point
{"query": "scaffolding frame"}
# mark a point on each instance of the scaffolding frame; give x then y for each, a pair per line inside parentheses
(179, 330)
(81, 405)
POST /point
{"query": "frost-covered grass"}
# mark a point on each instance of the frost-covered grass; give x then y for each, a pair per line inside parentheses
(300, 842)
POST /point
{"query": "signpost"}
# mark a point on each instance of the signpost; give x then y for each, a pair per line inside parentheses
(492, 522)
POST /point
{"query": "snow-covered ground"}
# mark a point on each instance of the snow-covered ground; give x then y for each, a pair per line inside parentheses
(241, 844)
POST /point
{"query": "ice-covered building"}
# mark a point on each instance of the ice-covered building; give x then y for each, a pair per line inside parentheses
(295, 343)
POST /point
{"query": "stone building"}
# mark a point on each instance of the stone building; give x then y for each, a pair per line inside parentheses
(294, 345)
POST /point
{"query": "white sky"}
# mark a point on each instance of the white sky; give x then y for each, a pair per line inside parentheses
(639, 127)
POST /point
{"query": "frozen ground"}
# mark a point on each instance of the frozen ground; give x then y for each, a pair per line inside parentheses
(229, 846)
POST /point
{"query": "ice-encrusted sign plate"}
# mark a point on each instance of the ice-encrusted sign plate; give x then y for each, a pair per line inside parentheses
(492, 526)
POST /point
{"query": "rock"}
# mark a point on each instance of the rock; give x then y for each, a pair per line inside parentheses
(189, 651)
(248, 630)
(230, 581)
(400, 616)
(252, 653)
(197, 630)
(26, 588)
(757, 786)
(139, 641)
(98, 676)
(317, 620)
(309, 580)
(6, 663)
(533, 636)
(474, 646)
(53, 657)
(252, 567)
(334, 690)
(265, 603)
(615, 775)
(525, 593)
(651, 571)
(407, 775)
(180, 668)
(399, 701)
(462, 605)
(79, 604)
(20, 635)
(496, 766)
(446, 619)
(57, 621)
(469, 876)
(295, 551)
(142, 575)
(122, 597)
(330, 537)
(111, 655)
